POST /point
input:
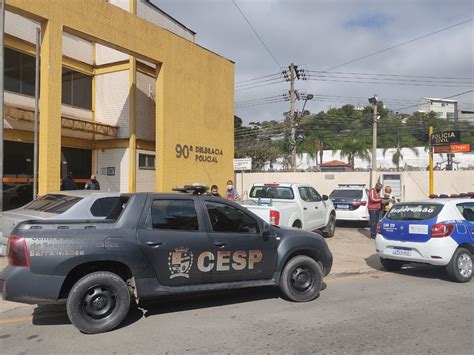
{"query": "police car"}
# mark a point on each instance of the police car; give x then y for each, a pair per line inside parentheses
(436, 231)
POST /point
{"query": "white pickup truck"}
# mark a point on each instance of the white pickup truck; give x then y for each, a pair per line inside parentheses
(293, 205)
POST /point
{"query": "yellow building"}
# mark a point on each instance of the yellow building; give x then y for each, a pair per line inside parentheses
(125, 93)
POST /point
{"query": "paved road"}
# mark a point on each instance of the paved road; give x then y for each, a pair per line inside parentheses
(414, 311)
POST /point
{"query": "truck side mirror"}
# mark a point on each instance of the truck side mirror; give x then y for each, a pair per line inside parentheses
(325, 197)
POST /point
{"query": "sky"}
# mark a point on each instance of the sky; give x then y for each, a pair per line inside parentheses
(318, 35)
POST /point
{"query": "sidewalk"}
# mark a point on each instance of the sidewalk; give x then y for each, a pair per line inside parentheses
(353, 251)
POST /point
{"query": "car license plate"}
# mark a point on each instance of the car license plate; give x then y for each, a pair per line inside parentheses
(404, 252)
(343, 207)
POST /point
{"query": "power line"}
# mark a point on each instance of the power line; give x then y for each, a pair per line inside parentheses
(260, 85)
(390, 83)
(394, 75)
(399, 44)
(256, 34)
(260, 77)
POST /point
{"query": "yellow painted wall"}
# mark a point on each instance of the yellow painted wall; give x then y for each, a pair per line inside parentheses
(194, 100)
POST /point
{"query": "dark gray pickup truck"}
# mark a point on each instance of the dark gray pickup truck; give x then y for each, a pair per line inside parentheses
(152, 245)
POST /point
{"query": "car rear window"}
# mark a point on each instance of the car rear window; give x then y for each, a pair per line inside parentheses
(277, 192)
(356, 194)
(414, 211)
(53, 203)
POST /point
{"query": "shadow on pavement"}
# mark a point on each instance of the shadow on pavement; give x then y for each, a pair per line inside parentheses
(373, 262)
(57, 314)
(351, 224)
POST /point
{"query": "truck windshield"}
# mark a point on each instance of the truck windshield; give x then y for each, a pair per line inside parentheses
(277, 192)
(53, 203)
(414, 211)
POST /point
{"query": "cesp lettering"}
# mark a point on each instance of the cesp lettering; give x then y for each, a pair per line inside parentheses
(224, 260)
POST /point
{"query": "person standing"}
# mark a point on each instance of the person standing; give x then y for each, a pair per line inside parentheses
(92, 184)
(374, 206)
(215, 191)
(68, 183)
(231, 193)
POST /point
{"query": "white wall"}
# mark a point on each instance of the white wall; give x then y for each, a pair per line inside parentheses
(149, 13)
(415, 184)
(117, 158)
(112, 100)
(145, 178)
(146, 94)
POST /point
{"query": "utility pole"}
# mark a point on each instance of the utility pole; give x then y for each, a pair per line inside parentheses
(292, 116)
(373, 173)
(430, 132)
(2, 30)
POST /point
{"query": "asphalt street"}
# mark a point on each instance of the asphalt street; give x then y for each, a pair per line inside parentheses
(414, 311)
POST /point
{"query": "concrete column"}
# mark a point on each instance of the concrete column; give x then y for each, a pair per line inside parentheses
(159, 124)
(49, 176)
(132, 126)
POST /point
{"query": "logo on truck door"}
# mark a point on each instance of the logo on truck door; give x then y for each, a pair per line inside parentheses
(181, 259)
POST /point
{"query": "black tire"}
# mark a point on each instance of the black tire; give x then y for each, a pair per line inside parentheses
(330, 228)
(98, 302)
(391, 264)
(459, 268)
(301, 279)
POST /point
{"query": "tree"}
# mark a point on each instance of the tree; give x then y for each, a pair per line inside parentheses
(354, 148)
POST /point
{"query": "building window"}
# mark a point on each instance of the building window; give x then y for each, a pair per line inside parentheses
(146, 161)
(19, 72)
(76, 89)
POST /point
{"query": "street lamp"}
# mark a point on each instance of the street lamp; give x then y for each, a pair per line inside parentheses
(373, 173)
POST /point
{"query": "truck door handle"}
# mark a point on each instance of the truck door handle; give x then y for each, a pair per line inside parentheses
(305, 208)
(154, 244)
(315, 207)
(220, 244)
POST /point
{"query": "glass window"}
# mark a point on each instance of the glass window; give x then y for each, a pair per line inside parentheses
(146, 161)
(53, 203)
(76, 89)
(103, 206)
(174, 214)
(225, 218)
(19, 72)
(414, 211)
(268, 191)
(467, 210)
(314, 195)
(304, 194)
(356, 194)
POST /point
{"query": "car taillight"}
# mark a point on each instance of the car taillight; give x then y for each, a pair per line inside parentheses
(441, 230)
(359, 203)
(274, 217)
(379, 228)
(18, 252)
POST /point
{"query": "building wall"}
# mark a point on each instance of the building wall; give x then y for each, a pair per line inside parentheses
(112, 158)
(146, 94)
(414, 183)
(145, 178)
(150, 13)
(111, 97)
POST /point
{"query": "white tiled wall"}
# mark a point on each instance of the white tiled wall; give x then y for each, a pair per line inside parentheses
(112, 100)
(105, 55)
(145, 178)
(117, 158)
(146, 94)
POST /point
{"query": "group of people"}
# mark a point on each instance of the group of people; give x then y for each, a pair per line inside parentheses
(378, 205)
(68, 183)
(230, 192)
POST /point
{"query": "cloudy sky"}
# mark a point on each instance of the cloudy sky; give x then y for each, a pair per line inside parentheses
(321, 34)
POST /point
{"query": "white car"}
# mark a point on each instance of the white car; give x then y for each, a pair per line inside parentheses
(293, 205)
(350, 201)
(77, 204)
(437, 231)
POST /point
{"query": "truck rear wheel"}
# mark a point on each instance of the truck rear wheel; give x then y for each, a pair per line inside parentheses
(330, 229)
(98, 302)
(301, 279)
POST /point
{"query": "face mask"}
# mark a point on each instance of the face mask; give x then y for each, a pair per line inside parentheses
(230, 187)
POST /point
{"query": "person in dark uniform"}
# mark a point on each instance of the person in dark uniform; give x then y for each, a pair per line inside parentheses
(68, 183)
(92, 184)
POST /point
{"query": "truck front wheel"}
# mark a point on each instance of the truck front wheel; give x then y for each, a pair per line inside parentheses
(301, 279)
(98, 302)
